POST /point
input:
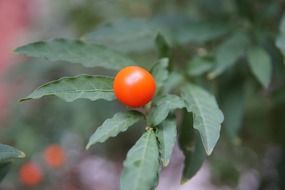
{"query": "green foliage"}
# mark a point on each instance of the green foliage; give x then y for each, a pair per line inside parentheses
(7, 155)
(260, 65)
(207, 115)
(164, 105)
(141, 166)
(166, 134)
(113, 126)
(75, 51)
(73, 88)
(212, 47)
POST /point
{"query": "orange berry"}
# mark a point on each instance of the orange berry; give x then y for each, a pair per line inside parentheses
(54, 156)
(30, 174)
(134, 86)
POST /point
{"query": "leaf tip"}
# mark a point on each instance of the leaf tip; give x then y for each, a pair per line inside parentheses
(21, 154)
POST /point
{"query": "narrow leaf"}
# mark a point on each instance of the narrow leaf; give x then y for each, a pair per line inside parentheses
(120, 122)
(194, 159)
(260, 65)
(207, 115)
(162, 46)
(233, 106)
(8, 153)
(160, 72)
(90, 87)
(166, 134)
(164, 105)
(229, 52)
(192, 147)
(75, 51)
(141, 166)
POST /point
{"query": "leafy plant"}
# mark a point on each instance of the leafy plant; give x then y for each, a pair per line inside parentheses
(197, 61)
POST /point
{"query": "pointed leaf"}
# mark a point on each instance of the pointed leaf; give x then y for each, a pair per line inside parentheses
(120, 122)
(75, 51)
(229, 52)
(162, 46)
(194, 158)
(166, 134)
(260, 65)
(141, 166)
(164, 105)
(90, 87)
(8, 153)
(160, 72)
(207, 115)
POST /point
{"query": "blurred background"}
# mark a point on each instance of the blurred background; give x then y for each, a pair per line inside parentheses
(250, 153)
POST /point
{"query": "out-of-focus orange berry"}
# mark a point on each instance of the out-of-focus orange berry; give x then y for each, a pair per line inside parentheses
(30, 174)
(54, 156)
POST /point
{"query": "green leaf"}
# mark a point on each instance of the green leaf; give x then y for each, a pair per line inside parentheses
(162, 45)
(280, 43)
(192, 147)
(75, 51)
(160, 72)
(260, 65)
(233, 106)
(198, 66)
(207, 115)
(166, 134)
(125, 35)
(8, 153)
(90, 87)
(164, 105)
(141, 166)
(173, 82)
(4, 168)
(200, 32)
(120, 122)
(229, 52)
(194, 159)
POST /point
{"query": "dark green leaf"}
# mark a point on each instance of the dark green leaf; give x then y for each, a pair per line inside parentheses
(233, 108)
(141, 166)
(162, 45)
(4, 168)
(166, 134)
(194, 158)
(198, 66)
(75, 51)
(120, 122)
(164, 105)
(192, 147)
(73, 88)
(160, 72)
(229, 52)
(125, 35)
(8, 153)
(207, 115)
(260, 65)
